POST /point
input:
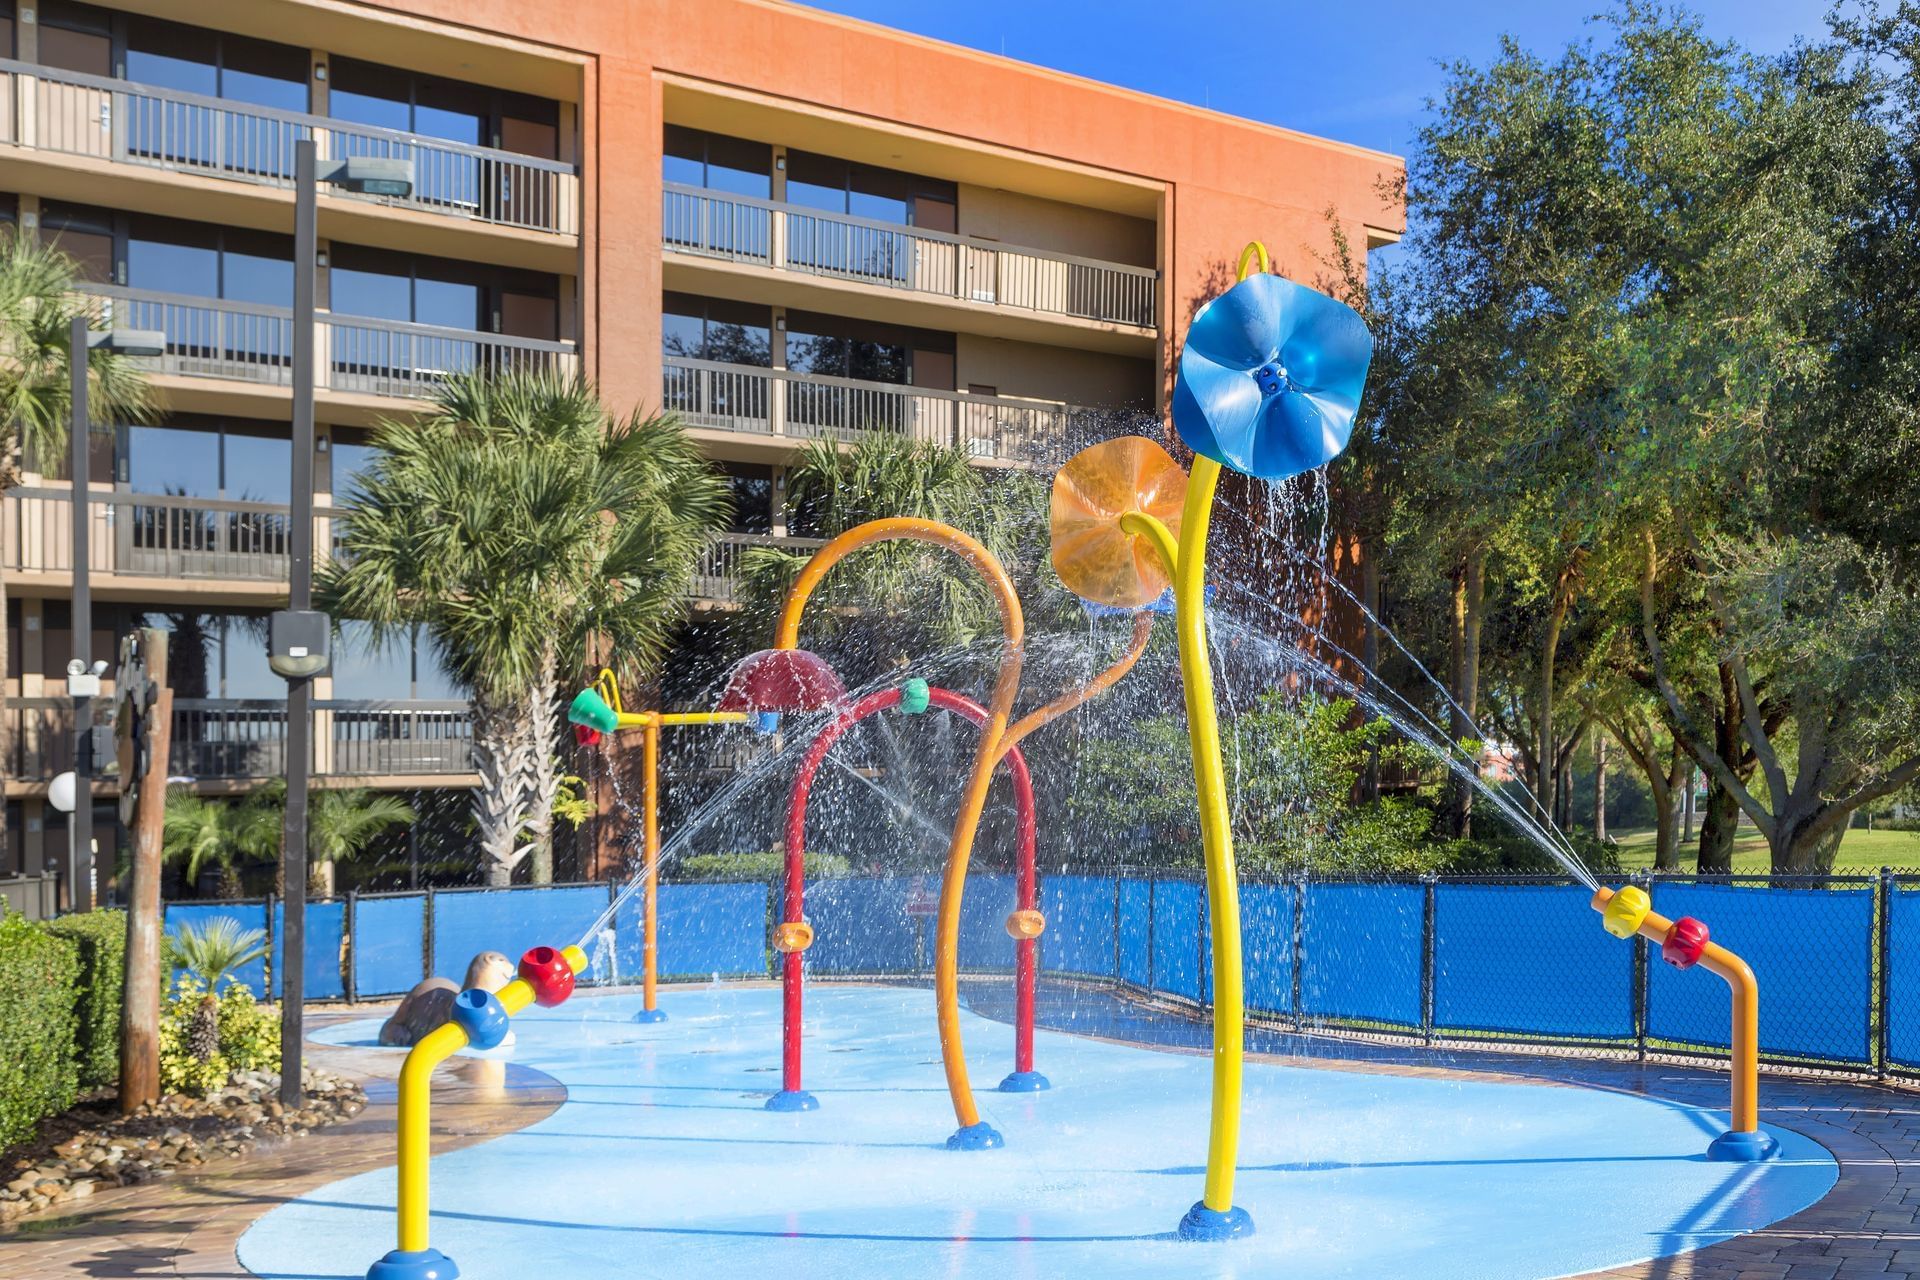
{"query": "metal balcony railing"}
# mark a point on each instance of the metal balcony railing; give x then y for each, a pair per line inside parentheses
(144, 535)
(714, 224)
(237, 738)
(249, 342)
(732, 397)
(47, 109)
(717, 576)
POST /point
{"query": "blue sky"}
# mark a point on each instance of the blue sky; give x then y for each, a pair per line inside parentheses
(1360, 72)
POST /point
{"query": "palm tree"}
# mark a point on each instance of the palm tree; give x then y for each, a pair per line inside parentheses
(340, 826)
(210, 953)
(205, 834)
(37, 305)
(525, 528)
(908, 597)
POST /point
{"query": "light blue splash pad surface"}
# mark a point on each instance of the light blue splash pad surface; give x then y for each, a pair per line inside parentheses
(662, 1163)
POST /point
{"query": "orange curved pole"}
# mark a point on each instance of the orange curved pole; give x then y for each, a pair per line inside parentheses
(1042, 716)
(1745, 1035)
(953, 883)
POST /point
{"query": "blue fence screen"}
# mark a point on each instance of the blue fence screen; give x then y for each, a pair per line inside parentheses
(1360, 952)
(324, 952)
(1490, 975)
(1903, 977)
(1080, 924)
(509, 921)
(389, 936)
(703, 930)
(1811, 949)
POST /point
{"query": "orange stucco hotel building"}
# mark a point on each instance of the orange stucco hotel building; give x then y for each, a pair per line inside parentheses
(780, 223)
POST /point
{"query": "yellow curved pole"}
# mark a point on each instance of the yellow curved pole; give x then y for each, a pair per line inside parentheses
(1186, 563)
(1745, 1031)
(416, 1099)
(1042, 716)
(1006, 687)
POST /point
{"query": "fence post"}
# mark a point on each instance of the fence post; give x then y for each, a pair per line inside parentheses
(350, 937)
(1885, 953)
(426, 936)
(1639, 979)
(1429, 883)
(1153, 903)
(272, 966)
(1298, 943)
(1203, 968)
(613, 923)
(1119, 881)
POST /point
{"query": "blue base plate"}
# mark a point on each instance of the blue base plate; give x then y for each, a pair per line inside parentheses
(793, 1100)
(1743, 1147)
(1025, 1082)
(980, 1136)
(1204, 1224)
(650, 1015)
(414, 1264)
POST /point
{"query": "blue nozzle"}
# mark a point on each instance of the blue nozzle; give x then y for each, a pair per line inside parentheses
(766, 722)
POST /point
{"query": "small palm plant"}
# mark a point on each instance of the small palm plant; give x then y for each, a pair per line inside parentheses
(212, 952)
(204, 834)
(342, 824)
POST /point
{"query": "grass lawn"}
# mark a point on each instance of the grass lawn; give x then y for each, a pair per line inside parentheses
(1861, 852)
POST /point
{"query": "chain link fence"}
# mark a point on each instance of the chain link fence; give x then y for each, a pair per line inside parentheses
(1479, 961)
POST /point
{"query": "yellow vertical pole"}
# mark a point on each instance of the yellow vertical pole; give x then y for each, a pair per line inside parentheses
(650, 943)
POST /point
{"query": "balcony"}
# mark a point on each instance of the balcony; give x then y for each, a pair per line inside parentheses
(717, 576)
(228, 545)
(699, 223)
(807, 406)
(353, 355)
(149, 536)
(228, 740)
(114, 121)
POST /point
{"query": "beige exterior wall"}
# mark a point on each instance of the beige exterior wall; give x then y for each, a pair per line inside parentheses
(1027, 369)
(1030, 222)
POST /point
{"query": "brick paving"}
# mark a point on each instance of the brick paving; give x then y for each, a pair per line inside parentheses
(186, 1227)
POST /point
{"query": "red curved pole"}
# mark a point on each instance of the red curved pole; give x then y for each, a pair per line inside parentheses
(1027, 878)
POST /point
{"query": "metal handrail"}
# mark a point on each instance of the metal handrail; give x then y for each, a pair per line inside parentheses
(858, 384)
(231, 106)
(125, 122)
(918, 233)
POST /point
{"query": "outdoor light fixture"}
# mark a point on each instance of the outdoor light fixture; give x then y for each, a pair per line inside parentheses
(128, 342)
(368, 175)
(298, 643)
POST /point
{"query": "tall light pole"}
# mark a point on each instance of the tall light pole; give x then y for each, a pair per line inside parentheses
(298, 637)
(83, 679)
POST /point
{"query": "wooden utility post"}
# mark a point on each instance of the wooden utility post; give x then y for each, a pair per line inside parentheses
(143, 724)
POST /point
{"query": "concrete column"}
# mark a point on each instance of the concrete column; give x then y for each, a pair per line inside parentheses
(26, 34)
(317, 82)
(779, 502)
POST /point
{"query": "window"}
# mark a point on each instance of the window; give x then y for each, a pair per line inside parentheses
(76, 37)
(216, 64)
(716, 162)
(207, 459)
(216, 654)
(407, 666)
(437, 291)
(838, 347)
(716, 329)
(867, 191)
(453, 110)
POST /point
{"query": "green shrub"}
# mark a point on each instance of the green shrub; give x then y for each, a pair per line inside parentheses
(757, 866)
(99, 939)
(38, 1075)
(249, 1039)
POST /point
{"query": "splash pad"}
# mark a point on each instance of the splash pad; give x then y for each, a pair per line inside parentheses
(1269, 385)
